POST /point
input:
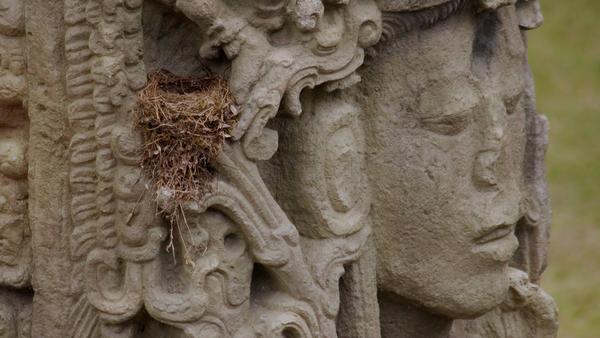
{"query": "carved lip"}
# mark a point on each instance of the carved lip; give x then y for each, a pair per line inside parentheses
(495, 233)
(497, 243)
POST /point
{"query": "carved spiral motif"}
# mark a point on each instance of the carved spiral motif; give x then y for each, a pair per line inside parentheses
(327, 148)
(117, 235)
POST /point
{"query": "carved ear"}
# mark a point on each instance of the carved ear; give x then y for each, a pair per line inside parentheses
(530, 14)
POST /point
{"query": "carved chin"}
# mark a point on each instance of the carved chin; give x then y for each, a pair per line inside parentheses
(455, 297)
(480, 295)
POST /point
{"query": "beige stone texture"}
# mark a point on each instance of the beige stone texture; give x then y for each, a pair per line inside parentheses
(385, 179)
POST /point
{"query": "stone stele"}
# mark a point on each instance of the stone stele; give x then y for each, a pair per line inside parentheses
(385, 179)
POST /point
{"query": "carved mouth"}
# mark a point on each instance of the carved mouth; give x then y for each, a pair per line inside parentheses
(497, 243)
(495, 233)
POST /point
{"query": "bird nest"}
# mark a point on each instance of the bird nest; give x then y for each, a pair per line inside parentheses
(184, 122)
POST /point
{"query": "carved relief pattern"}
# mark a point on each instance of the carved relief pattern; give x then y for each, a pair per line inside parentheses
(117, 237)
(15, 253)
(15, 234)
(15, 250)
(266, 250)
(113, 234)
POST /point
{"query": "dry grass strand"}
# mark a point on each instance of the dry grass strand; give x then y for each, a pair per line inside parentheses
(184, 122)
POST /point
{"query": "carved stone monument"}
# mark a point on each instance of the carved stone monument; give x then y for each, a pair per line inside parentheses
(383, 175)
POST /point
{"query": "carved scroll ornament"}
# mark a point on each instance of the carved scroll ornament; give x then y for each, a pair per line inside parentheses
(15, 234)
(117, 242)
(255, 257)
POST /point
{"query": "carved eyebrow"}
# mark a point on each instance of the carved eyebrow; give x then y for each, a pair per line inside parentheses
(395, 23)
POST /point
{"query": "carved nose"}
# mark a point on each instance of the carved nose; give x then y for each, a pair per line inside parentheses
(493, 126)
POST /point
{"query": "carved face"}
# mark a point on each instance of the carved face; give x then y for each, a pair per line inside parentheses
(446, 134)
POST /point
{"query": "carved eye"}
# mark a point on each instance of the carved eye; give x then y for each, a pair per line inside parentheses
(448, 124)
(446, 107)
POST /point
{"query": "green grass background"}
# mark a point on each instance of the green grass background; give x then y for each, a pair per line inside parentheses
(565, 57)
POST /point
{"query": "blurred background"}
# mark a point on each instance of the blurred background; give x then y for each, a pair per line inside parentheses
(565, 57)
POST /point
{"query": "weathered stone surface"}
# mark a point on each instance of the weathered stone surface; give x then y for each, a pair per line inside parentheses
(385, 179)
(15, 232)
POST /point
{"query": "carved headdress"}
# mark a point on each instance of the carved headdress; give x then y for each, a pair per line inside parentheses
(120, 273)
(428, 12)
(401, 16)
